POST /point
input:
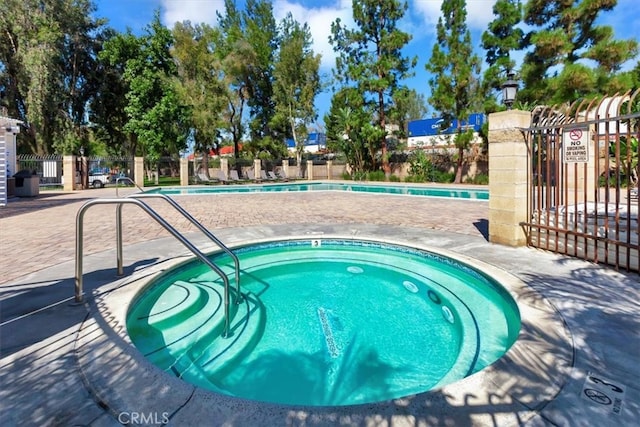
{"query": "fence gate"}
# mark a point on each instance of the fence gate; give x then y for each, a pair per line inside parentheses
(583, 180)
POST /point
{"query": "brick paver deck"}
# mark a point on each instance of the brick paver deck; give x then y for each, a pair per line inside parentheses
(39, 232)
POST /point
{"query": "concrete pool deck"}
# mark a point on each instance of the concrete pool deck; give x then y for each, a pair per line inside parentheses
(67, 364)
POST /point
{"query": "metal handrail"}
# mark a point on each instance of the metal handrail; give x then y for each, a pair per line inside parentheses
(126, 178)
(184, 213)
(191, 219)
(163, 223)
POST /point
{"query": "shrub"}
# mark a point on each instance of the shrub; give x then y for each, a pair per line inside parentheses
(480, 179)
(359, 176)
(376, 176)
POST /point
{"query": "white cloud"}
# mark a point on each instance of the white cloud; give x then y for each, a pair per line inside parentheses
(319, 19)
(196, 11)
(479, 12)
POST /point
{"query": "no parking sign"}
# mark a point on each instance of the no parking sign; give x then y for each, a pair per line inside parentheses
(575, 144)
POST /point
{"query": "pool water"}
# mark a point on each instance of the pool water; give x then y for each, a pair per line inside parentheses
(475, 194)
(326, 322)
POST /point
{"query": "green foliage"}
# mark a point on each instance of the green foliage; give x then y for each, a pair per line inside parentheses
(455, 79)
(407, 105)
(350, 130)
(296, 82)
(628, 155)
(196, 89)
(375, 176)
(502, 37)
(156, 116)
(420, 167)
(48, 70)
(261, 33)
(359, 176)
(370, 59)
(480, 179)
(108, 113)
(562, 35)
(266, 148)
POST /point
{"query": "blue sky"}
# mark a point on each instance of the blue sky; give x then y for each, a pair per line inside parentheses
(420, 21)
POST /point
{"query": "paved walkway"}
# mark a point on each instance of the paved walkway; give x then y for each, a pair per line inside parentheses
(47, 377)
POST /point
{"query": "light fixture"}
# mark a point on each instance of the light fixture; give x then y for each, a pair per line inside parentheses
(509, 90)
(81, 151)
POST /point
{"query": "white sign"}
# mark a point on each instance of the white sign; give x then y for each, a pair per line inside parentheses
(604, 392)
(575, 144)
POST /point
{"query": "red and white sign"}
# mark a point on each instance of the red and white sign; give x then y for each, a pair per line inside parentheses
(575, 145)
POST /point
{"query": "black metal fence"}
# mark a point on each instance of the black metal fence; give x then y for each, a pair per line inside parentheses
(48, 168)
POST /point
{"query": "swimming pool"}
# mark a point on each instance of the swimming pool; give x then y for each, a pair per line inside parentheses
(326, 322)
(398, 189)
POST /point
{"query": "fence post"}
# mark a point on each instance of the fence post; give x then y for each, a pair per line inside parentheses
(329, 169)
(285, 167)
(69, 173)
(508, 192)
(257, 168)
(309, 170)
(138, 171)
(224, 166)
(184, 171)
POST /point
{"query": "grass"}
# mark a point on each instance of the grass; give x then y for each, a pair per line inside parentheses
(163, 181)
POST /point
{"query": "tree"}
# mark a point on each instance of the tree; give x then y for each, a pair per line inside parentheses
(408, 105)
(370, 57)
(350, 130)
(204, 95)
(455, 68)
(48, 52)
(237, 58)
(155, 113)
(564, 35)
(261, 33)
(108, 108)
(296, 82)
(501, 38)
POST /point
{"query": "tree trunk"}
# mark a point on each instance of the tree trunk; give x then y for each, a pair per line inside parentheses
(385, 158)
(458, 179)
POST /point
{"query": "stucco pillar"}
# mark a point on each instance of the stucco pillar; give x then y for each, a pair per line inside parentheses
(257, 168)
(69, 173)
(285, 168)
(224, 166)
(138, 171)
(508, 157)
(309, 170)
(184, 171)
(329, 169)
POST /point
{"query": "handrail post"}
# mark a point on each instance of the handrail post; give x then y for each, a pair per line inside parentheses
(79, 250)
(119, 257)
(126, 178)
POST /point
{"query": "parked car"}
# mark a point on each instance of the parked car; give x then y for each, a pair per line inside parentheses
(98, 178)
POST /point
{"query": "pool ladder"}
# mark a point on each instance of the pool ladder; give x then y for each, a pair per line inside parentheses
(134, 199)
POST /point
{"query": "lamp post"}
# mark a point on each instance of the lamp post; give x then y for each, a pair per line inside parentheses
(84, 176)
(509, 90)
